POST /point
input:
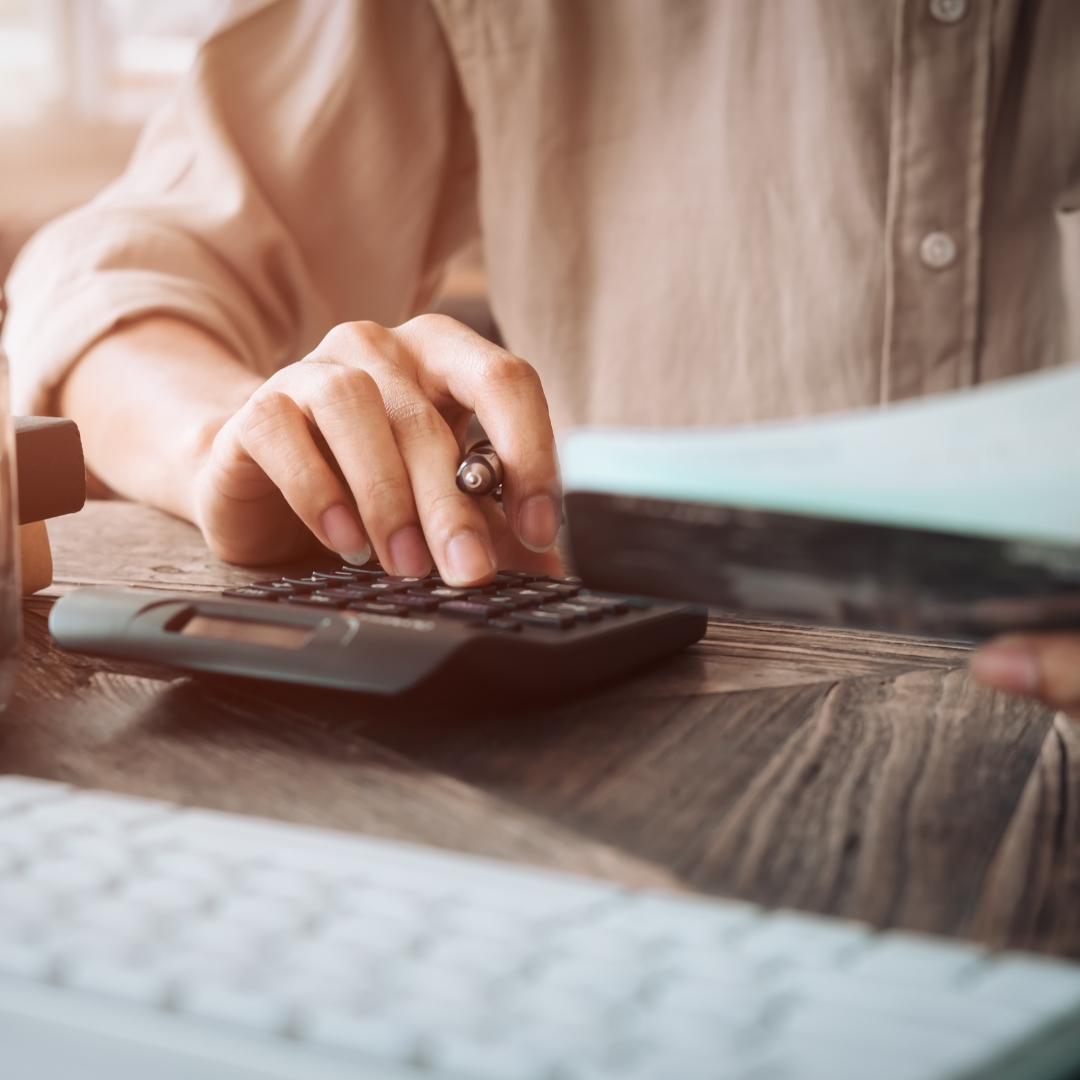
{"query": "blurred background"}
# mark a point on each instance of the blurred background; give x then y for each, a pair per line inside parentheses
(78, 78)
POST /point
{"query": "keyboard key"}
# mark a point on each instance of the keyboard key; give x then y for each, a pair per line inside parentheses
(379, 1035)
(131, 982)
(545, 620)
(903, 957)
(283, 588)
(277, 882)
(67, 877)
(262, 913)
(165, 895)
(235, 944)
(249, 592)
(244, 1007)
(809, 939)
(494, 1059)
(26, 960)
(25, 900)
(1026, 982)
(207, 875)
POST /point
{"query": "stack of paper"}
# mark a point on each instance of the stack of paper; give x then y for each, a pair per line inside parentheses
(1000, 460)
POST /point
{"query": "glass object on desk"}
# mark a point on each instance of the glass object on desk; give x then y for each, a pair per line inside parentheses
(10, 593)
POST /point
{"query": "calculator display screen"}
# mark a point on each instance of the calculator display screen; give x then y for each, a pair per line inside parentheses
(274, 635)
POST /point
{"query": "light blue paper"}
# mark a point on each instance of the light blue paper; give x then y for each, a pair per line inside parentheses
(999, 460)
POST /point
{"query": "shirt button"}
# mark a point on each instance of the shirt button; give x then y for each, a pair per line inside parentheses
(948, 11)
(937, 250)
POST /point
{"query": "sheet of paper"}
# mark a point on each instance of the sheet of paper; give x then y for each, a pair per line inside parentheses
(1000, 460)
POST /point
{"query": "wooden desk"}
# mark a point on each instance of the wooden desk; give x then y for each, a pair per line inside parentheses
(849, 773)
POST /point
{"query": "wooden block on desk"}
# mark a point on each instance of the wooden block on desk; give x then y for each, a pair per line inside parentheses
(51, 473)
(35, 557)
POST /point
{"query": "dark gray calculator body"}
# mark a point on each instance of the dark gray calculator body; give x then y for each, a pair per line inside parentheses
(385, 643)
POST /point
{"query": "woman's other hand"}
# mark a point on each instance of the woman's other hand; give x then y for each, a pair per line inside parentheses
(1041, 666)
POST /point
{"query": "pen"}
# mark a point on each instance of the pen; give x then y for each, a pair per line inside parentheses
(481, 473)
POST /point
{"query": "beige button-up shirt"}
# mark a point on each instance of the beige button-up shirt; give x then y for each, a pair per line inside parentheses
(710, 211)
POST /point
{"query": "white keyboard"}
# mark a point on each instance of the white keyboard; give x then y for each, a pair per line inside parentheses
(141, 940)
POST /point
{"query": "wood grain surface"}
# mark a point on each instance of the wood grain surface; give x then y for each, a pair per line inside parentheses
(858, 774)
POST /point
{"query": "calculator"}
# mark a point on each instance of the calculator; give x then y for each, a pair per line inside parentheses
(362, 629)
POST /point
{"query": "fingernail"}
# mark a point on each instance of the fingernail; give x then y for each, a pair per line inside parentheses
(345, 535)
(538, 522)
(468, 559)
(409, 552)
(1011, 668)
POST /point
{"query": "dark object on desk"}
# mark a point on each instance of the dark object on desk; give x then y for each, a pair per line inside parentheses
(808, 569)
(359, 629)
(51, 473)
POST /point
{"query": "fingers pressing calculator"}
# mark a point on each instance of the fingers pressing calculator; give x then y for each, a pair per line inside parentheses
(361, 629)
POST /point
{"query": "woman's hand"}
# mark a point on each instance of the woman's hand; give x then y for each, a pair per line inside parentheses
(359, 443)
(1041, 666)
(356, 445)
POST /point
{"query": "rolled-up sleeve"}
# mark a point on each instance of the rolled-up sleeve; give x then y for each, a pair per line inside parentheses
(316, 166)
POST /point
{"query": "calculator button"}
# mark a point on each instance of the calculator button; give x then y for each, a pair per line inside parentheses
(577, 611)
(337, 576)
(548, 620)
(386, 586)
(309, 582)
(499, 603)
(523, 597)
(444, 592)
(377, 607)
(465, 609)
(405, 582)
(348, 592)
(250, 592)
(316, 599)
(502, 624)
(364, 574)
(552, 588)
(609, 605)
(416, 603)
(281, 587)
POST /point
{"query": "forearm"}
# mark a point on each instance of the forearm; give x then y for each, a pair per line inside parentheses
(149, 400)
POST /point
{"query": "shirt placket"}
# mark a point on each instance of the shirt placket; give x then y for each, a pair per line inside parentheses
(940, 94)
